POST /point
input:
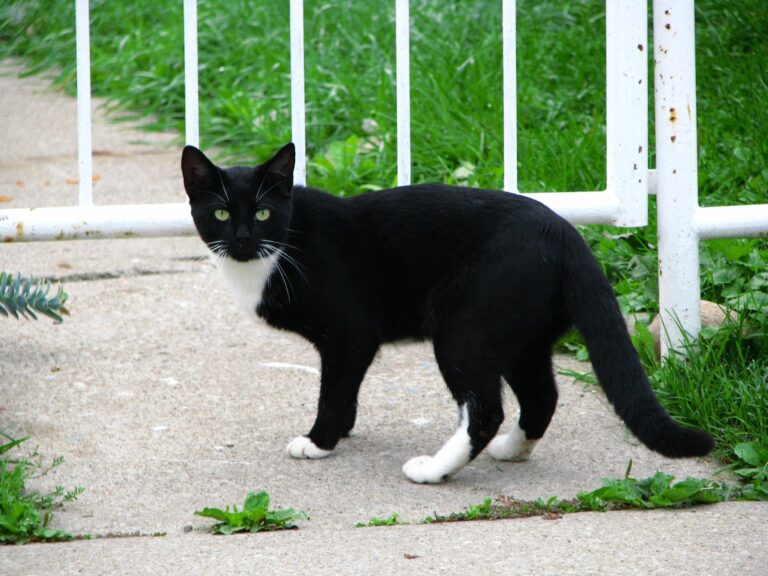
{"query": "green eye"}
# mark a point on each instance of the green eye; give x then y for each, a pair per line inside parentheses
(222, 215)
(262, 214)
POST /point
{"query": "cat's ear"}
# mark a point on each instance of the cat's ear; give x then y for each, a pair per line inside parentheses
(281, 166)
(200, 174)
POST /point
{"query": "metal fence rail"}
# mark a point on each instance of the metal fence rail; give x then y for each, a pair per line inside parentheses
(681, 222)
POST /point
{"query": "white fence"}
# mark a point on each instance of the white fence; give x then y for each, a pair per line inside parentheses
(681, 222)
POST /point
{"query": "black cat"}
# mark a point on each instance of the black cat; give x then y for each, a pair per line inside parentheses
(492, 278)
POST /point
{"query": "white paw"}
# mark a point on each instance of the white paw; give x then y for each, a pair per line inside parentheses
(512, 447)
(303, 447)
(423, 470)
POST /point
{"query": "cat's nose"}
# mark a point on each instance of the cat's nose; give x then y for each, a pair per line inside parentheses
(242, 235)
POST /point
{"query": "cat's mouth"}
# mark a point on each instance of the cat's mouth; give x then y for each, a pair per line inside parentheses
(237, 253)
(243, 255)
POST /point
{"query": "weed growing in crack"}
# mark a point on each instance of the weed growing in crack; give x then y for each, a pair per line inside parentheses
(25, 515)
(255, 516)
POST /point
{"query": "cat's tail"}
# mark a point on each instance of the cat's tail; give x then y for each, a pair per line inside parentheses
(593, 309)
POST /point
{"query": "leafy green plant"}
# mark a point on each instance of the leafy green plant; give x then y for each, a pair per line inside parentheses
(482, 511)
(23, 297)
(255, 516)
(645, 346)
(392, 520)
(751, 465)
(478, 511)
(24, 515)
(658, 491)
(343, 167)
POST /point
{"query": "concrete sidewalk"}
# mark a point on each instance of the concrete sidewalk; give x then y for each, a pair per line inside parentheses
(163, 400)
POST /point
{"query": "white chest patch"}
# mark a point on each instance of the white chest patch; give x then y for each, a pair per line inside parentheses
(245, 281)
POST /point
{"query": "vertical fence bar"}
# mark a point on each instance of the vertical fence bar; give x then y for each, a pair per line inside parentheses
(298, 122)
(626, 75)
(191, 105)
(676, 169)
(84, 146)
(509, 86)
(402, 46)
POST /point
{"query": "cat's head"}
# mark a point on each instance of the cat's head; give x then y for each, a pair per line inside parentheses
(240, 211)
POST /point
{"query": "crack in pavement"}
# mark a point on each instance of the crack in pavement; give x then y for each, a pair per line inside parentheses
(113, 275)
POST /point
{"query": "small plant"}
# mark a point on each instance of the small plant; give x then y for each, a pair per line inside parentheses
(389, 521)
(484, 511)
(254, 517)
(658, 491)
(24, 297)
(751, 465)
(25, 516)
(479, 511)
(343, 167)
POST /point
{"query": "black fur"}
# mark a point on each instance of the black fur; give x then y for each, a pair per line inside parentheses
(493, 279)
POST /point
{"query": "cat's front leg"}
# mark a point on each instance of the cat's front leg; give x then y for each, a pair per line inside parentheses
(303, 447)
(343, 369)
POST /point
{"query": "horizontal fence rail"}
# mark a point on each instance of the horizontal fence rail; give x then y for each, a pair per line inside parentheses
(682, 224)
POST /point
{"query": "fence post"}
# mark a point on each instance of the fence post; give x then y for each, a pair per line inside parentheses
(626, 101)
(402, 48)
(676, 169)
(298, 120)
(191, 106)
(509, 87)
(84, 145)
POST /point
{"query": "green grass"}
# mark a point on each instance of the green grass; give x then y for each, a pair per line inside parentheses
(720, 384)
(255, 516)
(25, 515)
(137, 57)
(137, 61)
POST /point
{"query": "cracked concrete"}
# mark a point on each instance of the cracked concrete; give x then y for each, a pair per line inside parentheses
(163, 399)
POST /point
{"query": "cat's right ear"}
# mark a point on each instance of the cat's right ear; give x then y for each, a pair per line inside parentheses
(200, 174)
(281, 166)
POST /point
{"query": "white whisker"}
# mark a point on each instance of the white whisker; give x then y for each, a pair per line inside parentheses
(226, 194)
(267, 191)
(223, 202)
(274, 257)
(218, 251)
(263, 177)
(288, 258)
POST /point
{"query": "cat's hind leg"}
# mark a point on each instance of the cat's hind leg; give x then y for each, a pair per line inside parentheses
(533, 383)
(478, 392)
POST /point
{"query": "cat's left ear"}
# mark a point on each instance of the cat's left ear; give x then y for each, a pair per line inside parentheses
(281, 166)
